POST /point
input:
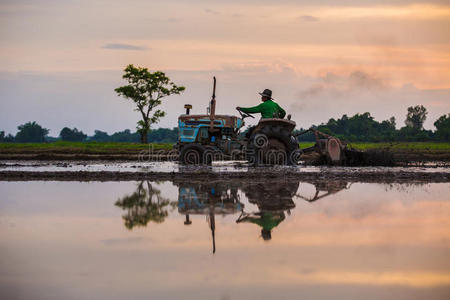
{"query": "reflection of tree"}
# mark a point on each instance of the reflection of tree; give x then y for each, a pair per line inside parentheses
(144, 205)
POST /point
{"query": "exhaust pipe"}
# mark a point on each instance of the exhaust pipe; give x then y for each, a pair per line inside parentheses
(188, 108)
(212, 113)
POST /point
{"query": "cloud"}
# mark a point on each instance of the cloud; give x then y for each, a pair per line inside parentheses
(246, 67)
(341, 86)
(213, 12)
(260, 68)
(307, 18)
(119, 46)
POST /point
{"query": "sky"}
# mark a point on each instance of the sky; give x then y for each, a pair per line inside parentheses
(61, 60)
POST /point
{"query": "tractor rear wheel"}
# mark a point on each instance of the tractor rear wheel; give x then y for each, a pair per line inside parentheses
(272, 145)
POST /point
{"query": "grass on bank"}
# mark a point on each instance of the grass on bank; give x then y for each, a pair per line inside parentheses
(83, 146)
(441, 146)
(413, 146)
(115, 146)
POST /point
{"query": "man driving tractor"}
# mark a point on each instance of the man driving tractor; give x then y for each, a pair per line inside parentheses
(268, 109)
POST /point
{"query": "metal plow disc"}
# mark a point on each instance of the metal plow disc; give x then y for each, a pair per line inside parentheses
(334, 150)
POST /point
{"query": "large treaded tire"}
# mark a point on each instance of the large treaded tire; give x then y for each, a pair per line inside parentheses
(192, 154)
(268, 140)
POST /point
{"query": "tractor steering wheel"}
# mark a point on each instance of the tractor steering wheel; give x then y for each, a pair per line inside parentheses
(244, 115)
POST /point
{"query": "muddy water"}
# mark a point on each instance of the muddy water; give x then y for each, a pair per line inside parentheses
(244, 239)
(168, 167)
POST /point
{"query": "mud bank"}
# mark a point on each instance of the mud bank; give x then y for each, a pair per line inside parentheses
(78, 157)
(362, 176)
(400, 156)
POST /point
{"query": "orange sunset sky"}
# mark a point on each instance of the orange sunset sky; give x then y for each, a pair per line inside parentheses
(61, 60)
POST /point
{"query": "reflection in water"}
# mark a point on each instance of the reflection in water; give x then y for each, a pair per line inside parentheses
(327, 187)
(370, 241)
(211, 198)
(144, 205)
(272, 201)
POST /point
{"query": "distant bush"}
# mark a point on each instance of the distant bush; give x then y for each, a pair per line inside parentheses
(100, 136)
(72, 135)
(6, 138)
(443, 128)
(160, 135)
(31, 132)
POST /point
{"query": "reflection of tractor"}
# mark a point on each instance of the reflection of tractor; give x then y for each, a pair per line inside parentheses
(271, 196)
(273, 200)
(205, 137)
(209, 199)
(324, 189)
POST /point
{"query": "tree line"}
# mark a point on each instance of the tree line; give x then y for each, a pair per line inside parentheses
(356, 128)
(32, 132)
(363, 128)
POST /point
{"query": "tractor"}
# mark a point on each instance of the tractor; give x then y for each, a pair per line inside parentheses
(208, 137)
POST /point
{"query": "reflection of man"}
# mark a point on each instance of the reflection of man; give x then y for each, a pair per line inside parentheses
(266, 220)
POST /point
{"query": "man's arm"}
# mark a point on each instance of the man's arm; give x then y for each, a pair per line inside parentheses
(282, 113)
(252, 110)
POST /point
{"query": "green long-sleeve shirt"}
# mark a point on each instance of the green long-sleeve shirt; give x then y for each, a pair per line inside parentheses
(268, 109)
(268, 221)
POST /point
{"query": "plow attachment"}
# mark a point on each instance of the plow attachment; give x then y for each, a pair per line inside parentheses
(329, 150)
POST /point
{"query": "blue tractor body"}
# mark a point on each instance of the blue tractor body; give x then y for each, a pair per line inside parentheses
(196, 128)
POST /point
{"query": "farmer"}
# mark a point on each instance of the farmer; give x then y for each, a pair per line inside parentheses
(266, 220)
(268, 109)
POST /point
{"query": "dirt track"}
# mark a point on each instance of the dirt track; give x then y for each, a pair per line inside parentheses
(400, 155)
(365, 176)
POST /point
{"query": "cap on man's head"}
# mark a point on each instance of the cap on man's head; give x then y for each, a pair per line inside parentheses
(266, 93)
(266, 234)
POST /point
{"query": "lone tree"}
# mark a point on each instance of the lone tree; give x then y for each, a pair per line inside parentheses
(416, 116)
(146, 90)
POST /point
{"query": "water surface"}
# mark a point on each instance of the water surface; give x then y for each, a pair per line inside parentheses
(224, 240)
(217, 167)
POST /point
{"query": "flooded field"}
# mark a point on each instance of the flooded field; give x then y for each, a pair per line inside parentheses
(224, 239)
(168, 167)
(226, 170)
